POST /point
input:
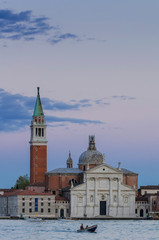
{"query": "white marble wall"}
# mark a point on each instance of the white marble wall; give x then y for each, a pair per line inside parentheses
(103, 186)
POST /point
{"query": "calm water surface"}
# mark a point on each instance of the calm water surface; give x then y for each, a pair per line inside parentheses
(67, 229)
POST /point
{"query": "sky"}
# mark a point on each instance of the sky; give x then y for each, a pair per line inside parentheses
(96, 63)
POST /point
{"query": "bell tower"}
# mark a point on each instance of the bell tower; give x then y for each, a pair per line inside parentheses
(38, 144)
(69, 161)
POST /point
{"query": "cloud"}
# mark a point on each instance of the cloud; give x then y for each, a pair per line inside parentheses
(62, 106)
(12, 17)
(101, 101)
(25, 26)
(22, 25)
(16, 111)
(61, 37)
(72, 120)
(104, 101)
(124, 97)
(67, 36)
(85, 101)
(57, 125)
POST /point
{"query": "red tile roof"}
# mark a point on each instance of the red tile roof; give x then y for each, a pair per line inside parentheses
(142, 198)
(150, 187)
(7, 190)
(21, 192)
(59, 198)
(37, 185)
(29, 192)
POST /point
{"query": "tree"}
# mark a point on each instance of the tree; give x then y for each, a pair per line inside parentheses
(22, 182)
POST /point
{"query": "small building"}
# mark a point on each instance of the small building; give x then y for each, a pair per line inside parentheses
(147, 200)
(142, 206)
(149, 189)
(29, 203)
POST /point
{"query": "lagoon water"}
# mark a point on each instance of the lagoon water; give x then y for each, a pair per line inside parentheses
(67, 229)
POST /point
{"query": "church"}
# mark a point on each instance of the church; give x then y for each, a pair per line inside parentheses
(94, 189)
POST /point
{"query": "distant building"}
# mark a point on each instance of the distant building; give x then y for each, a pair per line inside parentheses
(29, 203)
(147, 200)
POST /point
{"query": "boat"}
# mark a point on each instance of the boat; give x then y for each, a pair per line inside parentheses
(33, 219)
(153, 215)
(89, 229)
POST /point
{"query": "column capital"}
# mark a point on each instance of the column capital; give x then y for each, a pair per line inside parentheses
(96, 178)
(115, 178)
(110, 178)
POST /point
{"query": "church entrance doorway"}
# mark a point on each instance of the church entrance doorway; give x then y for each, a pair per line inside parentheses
(141, 213)
(102, 207)
(62, 213)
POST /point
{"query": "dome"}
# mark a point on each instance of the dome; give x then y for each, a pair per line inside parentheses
(91, 156)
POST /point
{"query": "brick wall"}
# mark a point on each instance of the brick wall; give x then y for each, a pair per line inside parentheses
(54, 182)
(81, 166)
(131, 180)
(38, 164)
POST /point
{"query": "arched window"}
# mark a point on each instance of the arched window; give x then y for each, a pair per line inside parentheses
(42, 132)
(39, 132)
(72, 180)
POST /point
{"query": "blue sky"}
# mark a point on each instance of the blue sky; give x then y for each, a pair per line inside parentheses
(96, 63)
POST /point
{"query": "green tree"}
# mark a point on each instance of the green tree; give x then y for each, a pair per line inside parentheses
(22, 182)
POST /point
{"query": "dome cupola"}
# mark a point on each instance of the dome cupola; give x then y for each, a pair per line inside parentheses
(91, 157)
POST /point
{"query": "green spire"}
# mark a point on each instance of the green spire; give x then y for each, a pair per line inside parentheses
(38, 110)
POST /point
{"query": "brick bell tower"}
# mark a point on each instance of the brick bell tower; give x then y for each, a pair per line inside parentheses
(38, 145)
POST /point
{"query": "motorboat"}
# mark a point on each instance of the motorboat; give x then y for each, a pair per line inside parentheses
(88, 229)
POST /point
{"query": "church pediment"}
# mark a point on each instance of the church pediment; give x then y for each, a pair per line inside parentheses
(103, 168)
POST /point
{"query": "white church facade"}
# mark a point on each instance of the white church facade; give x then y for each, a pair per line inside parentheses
(103, 194)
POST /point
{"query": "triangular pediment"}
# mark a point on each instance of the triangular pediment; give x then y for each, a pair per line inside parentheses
(103, 168)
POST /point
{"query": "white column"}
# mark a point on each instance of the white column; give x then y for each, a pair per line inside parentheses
(96, 207)
(110, 191)
(119, 192)
(119, 205)
(73, 206)
(44, 129)
(132, 204)
(110, 197)
(87, 197)
(34, 132)
(95, 191)
(87, 192)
